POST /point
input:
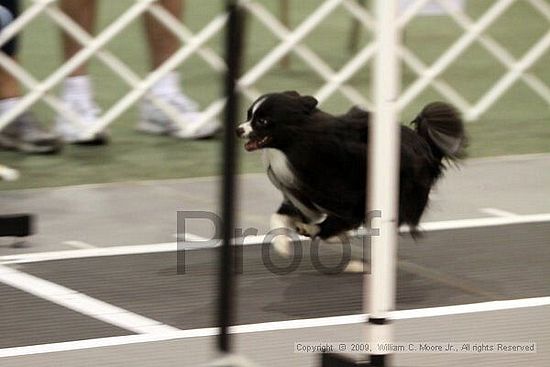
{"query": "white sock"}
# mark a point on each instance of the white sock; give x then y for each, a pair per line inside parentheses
(168, 84)
(77, 87)
(8, 103)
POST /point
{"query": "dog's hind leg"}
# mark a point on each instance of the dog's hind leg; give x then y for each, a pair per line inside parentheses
(336, 231)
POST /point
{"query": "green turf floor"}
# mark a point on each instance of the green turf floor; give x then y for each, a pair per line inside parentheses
(518, 123)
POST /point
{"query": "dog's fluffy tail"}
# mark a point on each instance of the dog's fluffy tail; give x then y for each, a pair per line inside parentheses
(440, 124)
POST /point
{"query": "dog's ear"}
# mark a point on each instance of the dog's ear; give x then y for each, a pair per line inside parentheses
(309, 103)
(292, 93)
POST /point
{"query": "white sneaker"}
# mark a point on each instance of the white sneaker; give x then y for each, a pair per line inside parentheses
(89, 112)
(154, 121)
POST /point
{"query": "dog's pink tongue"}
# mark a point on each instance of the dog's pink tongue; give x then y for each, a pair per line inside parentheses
(251, 145)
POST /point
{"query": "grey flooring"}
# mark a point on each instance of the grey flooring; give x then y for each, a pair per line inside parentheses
(275, 348)
(145, 212)
(448, 267)
(477, 265)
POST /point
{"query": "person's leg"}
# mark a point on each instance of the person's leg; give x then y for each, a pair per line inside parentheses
(163, 44)
(83, 12)
(77, 89)
(25, 133)
(9, 87)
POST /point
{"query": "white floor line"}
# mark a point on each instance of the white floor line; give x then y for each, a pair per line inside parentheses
(81, 303)
(511, 304)
(274, 326)
(498, 212)
(84, 253)
(484, 222)
(250, 240)
(78, 244)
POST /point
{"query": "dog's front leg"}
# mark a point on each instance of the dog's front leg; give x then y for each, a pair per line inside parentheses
(282, 242)
(306, 229)
(284, 221)
(332, 226)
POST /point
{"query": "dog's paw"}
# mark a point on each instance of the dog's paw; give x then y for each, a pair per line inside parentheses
(357, 266)
(283, 246)
(308, 230)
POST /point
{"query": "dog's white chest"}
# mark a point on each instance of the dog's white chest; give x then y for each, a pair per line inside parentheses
(281, 175)
(278, 168)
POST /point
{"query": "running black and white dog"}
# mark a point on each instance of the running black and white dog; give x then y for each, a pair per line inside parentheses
(318, 161)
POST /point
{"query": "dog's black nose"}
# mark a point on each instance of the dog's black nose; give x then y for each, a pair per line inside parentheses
(240, 132)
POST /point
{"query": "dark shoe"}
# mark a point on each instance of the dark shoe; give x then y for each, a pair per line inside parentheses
(100, 138)
(26, 134)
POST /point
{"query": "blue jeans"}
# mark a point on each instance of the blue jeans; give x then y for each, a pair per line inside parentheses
(12, 6)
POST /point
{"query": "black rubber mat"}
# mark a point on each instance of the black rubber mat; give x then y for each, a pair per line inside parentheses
(28, 320)
(441, 268)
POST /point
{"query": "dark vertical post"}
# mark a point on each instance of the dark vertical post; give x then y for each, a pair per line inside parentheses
(233, 44)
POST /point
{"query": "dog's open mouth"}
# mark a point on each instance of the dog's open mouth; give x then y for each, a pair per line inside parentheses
(257, 143)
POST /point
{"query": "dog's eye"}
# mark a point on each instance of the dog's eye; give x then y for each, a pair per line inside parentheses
(262, 122)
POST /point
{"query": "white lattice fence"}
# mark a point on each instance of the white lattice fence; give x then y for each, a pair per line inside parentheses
(290, 41)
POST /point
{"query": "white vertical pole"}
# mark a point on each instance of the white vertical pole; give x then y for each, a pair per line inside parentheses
(383, 178)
